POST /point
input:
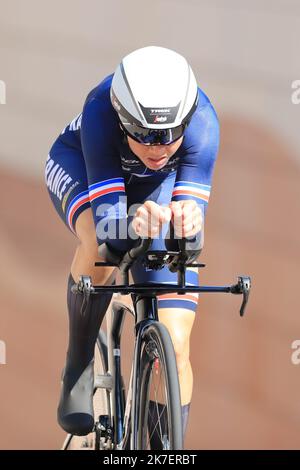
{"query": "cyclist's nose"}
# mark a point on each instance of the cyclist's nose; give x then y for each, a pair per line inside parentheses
(157, 150)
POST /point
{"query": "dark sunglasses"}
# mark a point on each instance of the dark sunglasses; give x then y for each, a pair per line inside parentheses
(152, 136)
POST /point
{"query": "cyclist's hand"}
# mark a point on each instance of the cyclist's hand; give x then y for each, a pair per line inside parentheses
(187, 218)
(148, 219)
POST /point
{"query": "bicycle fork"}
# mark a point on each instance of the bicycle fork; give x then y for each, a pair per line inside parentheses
(125, 420)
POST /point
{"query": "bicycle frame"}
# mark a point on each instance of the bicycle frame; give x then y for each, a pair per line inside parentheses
(145, 311)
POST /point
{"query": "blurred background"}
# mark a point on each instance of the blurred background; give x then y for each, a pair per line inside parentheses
(245, 56)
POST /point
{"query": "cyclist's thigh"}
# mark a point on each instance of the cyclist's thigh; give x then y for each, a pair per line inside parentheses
(166, 302)
(66, 180)
(68, 189)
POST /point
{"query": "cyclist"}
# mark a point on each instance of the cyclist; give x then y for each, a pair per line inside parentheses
(147, 135)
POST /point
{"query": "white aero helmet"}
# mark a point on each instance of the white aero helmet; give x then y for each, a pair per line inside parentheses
(155, 93)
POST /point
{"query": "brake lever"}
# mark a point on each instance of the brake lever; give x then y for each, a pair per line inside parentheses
(84, 287)
(242, 287)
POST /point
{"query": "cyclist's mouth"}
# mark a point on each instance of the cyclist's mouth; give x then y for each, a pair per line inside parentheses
(157, 162)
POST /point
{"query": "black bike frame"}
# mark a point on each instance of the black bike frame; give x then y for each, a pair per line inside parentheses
(145, 308)
(145, 312)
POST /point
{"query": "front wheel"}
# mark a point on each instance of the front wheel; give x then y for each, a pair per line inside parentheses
(158, 423)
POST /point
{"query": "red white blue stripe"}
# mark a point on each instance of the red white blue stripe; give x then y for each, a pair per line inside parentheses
(188, 301)
(185, 189)
(76, 203)
(174, 300)
(107, 187)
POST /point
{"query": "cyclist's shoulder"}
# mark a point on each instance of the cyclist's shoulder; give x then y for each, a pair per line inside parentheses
(205, 108)
(203, 130)
(100, 94)
(204, 123)
(98, 112)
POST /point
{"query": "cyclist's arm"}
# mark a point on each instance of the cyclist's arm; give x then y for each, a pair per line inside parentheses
(200, 147)
(194, 175)
(99, 132)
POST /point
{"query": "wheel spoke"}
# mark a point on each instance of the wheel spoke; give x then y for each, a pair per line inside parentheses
(157, 381)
